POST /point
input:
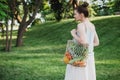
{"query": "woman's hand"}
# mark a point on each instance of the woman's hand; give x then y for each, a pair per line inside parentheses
(73, 32)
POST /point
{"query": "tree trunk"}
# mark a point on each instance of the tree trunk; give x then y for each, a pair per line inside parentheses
(7, 37)
(24, 22)
(2, 34)
(21, 30)
(10, 41)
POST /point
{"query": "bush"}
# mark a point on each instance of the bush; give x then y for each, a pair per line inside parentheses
(116, 6)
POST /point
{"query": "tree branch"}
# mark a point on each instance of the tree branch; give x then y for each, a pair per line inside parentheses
(37, 5)
(25, 8)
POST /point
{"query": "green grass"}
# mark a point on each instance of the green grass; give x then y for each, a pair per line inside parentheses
(44, 45)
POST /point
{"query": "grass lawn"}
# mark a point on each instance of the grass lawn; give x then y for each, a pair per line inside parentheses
(41, 57)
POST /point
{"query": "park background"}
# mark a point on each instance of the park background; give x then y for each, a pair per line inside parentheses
(34, 33)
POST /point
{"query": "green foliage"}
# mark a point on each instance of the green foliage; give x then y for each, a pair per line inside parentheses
(92, 12)
(116, 5)
(4, 10)
(67, 10)
(105, 8)
(36, 21)
(41, 58)
(50, 16)
(56, 6)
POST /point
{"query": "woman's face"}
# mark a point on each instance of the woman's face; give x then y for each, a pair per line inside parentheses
(77, 16)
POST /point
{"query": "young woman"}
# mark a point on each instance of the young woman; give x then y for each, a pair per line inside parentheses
(85, 33)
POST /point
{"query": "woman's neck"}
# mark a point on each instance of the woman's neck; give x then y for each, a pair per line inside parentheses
(84, 20)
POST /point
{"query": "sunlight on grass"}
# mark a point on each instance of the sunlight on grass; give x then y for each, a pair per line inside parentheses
(108, 62)
(13, 37)
(45, 47)
(103, 17)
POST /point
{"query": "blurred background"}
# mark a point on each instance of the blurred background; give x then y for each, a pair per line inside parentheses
(34, 33)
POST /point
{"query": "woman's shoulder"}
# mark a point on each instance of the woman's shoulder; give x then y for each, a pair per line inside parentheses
(80, 25)
(92, 24)
(92, 27)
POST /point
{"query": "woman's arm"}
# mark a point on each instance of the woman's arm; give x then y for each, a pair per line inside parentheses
(81, 30)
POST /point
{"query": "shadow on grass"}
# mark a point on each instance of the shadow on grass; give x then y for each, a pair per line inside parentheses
(18, 73)
(108, 71)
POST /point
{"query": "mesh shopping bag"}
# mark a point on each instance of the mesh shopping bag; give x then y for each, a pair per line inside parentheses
(76, 54)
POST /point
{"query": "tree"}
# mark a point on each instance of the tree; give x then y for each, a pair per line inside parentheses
(28, 6)
(12, 10)
(5, 15)
(56, 6)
